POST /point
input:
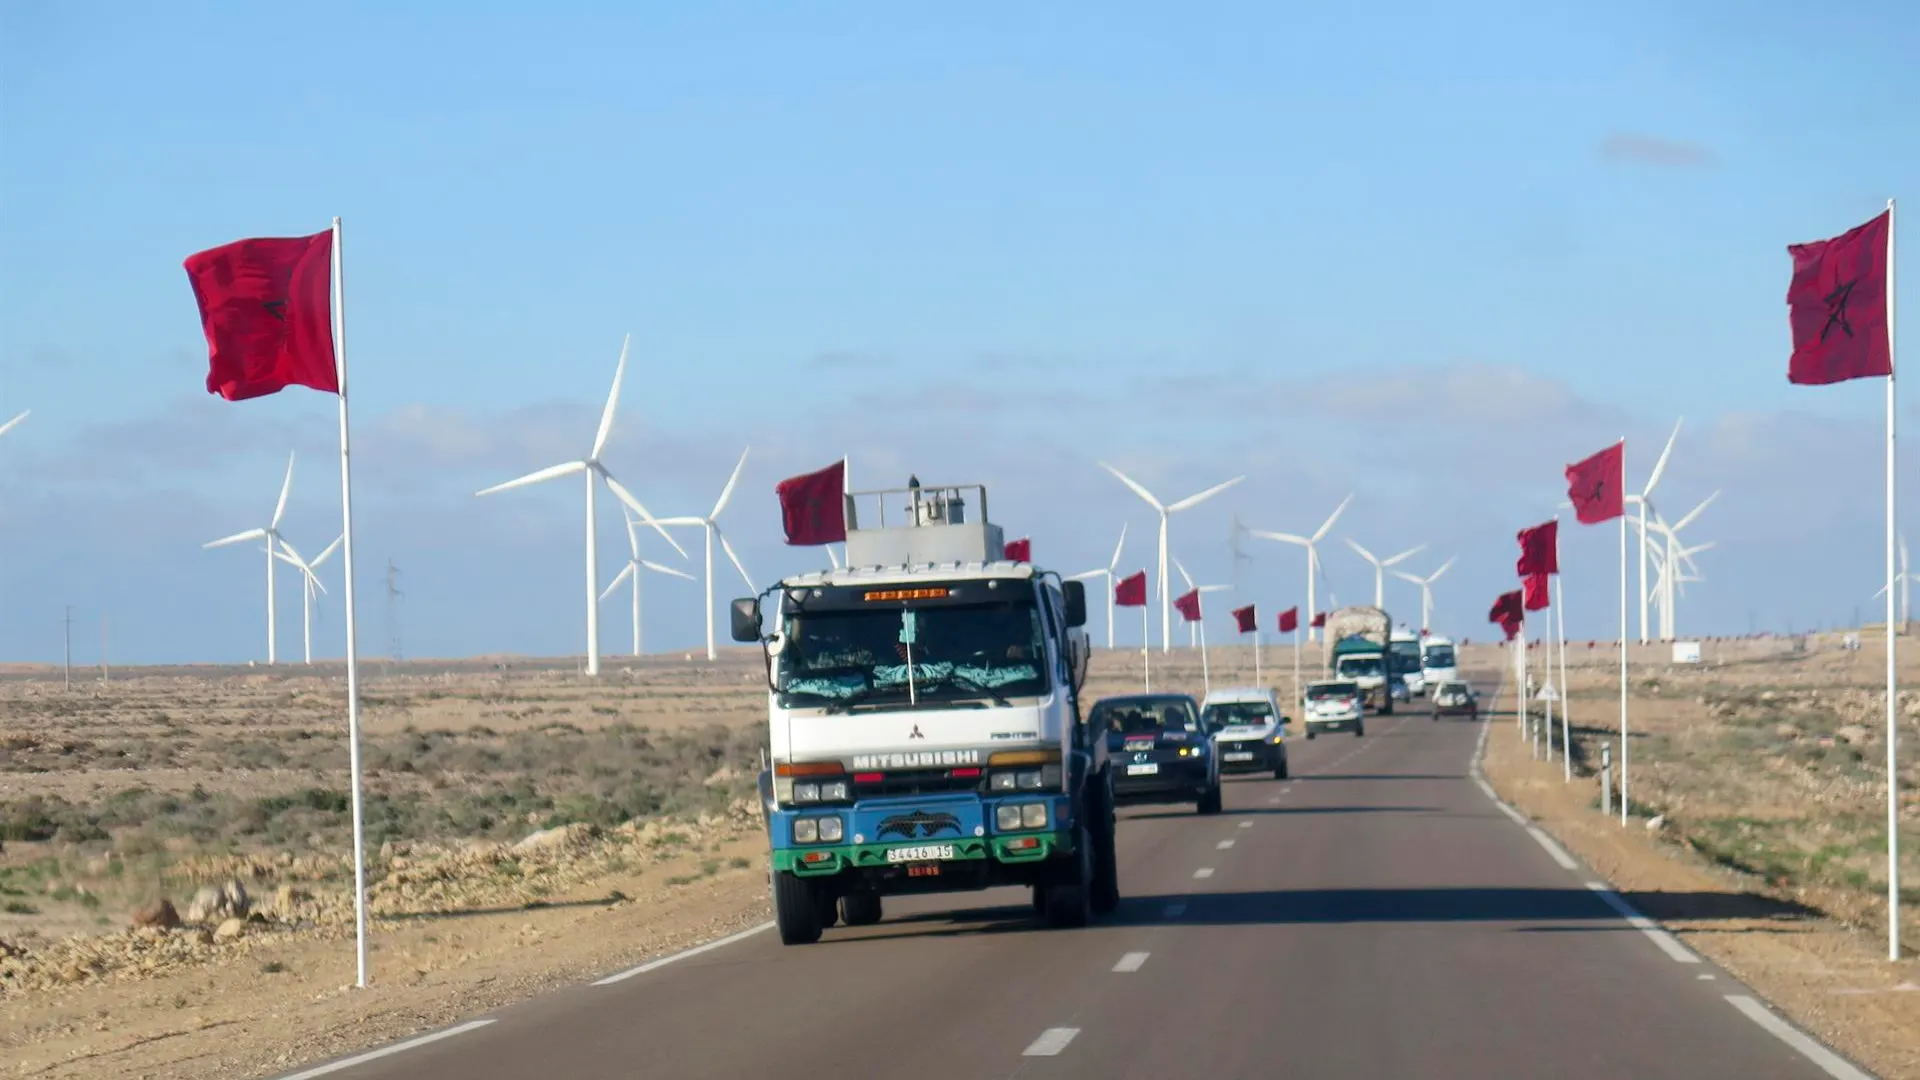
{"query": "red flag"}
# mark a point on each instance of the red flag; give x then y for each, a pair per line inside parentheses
(1131, 591)
(1510, 607)
(1319, 620)
(1597, 486)
(1290, 620)
(1535, 588)
(1837, 306)
(1188, 605)
(813, 508)
(1244, 616)
(1539, 550)
(266, 306)
(1020, 550)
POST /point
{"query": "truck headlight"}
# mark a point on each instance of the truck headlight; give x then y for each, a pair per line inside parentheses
(1006, 817)
(1001, 781)
(1033, 816)
(808, 792)
(830, 830)
(806, 830)
(1009, 817)
(1027, 781)
(835, 791)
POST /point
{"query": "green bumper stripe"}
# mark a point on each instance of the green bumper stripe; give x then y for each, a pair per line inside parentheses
(860, 856)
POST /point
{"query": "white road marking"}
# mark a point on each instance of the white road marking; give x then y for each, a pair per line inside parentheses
(1287, 789)
(1051, 1042)
(1275, 801)
(1559, 854)
(374, 1055)
(684, 954)
(1131, 962)
(1704, 977)
(1246, 824)
(1833, 1064)
(1223, 845)
(1174, 911)
(1667, 942)
(1205, 871)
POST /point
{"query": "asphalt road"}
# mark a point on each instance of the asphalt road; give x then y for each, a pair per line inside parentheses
(1376, 916)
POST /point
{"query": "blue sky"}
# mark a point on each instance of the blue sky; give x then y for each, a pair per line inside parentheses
(983, 242)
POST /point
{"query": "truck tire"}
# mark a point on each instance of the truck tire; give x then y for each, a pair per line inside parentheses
(1070, 902)
(796, 909)
(1106, 860)
(1210, 802)
(860, 908)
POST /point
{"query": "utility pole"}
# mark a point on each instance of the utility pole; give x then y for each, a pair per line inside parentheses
(68, 634)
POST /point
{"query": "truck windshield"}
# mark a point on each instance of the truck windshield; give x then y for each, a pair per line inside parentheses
(1439, 656)
(848, 656)
(1238, 714)
(1360, 666)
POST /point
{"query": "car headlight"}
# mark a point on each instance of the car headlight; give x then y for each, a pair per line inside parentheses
(808, 792)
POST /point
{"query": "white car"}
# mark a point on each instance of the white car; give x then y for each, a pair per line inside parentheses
(1334, 705)
(1248, 729)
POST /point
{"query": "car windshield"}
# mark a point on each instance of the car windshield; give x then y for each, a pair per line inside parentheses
(842, 657)
(1439, 656)
(1360, 665)
(1145, 716)
(1453, 689)
(1331, 691)
(1239, 713)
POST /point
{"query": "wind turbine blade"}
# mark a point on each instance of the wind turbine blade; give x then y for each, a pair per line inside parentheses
(547, 473)
(1364, 553)
(286, 486)
(250, 534)
(1321, 532)
(658, 569)
(1695, 512)
(291, 550)
(11, 424)
(727, 492)
(313, 582)
(626, 496)
(290, 560)
(613, 399)
(734, 559)
(625, 573)
(1192, 501)
(1404, 576)
(1088, 575)
(1435, 576)
(1137, 489)
(1285, 538)
(1660, 466)
(328, 551)
(677, 522)
(1184, 576)
(1214, 588)
(1115, 564)
(1403, 555)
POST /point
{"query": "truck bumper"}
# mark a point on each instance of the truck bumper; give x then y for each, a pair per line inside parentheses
(931, 844)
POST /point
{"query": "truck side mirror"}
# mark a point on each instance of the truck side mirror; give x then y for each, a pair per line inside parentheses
(746, 619)
(1075, 593)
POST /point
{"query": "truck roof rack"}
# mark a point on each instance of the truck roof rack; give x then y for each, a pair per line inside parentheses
(931, 525)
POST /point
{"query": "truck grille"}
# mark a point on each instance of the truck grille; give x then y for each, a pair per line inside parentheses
(915, 782)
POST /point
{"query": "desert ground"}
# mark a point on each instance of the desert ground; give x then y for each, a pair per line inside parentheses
(528, 827)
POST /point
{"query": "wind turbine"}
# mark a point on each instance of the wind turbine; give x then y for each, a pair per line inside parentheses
(1380, 568)
(1206, 675)
(635, 566)
(595, 471)
(9, 425)
(1673, 555)
(1905, 579)
(1108, 572)
(271, 534)
(1426, 591)
(309, 582)
(1645, 502)
(1191, 501)
(711, 524)
(1311, 543)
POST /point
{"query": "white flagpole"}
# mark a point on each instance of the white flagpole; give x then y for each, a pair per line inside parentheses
(1520, 680)
(1893, 670)
(1146, 654)
(1299, 700)
(1546, 657)
(1566, 722)
(353, 654)
(1623, 637)
(1256, 652)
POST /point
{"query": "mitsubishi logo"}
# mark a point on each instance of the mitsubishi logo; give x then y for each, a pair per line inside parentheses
(915, 734)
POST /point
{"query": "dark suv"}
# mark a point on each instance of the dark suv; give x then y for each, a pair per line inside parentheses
(1161, 752)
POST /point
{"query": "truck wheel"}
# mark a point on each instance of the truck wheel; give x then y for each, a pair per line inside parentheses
(860, 908)
(1070, 903)
(1280, 770)
(796, 909)
(1359, 729)
(1210, 802)
(1106, 861)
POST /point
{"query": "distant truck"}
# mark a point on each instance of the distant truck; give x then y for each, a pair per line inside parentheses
(1437, 662)
(1403, 652)
(1360, 638)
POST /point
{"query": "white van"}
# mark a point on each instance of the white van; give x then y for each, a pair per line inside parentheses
(1437, 661)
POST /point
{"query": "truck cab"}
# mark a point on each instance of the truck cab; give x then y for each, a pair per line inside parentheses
(925, 725)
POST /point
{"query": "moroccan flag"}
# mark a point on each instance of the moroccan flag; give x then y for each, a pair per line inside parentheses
(812, 507)
(1290, 620)
(1539, 550)
(1837, 306)
(1244, 616)
(1188, 605)
(1131, 591)
(1020, 550)
(1597, 486)
(266, 307)
(1319, 620)
(1535, 588)
(1510, 607)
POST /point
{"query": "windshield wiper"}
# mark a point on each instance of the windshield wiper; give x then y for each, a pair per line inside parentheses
(972, 686)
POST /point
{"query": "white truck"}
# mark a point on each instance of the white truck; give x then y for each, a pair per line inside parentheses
(1437, 661)
(925, 723)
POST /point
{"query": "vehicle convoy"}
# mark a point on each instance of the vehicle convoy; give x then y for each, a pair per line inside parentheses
(924, 723)
(1160, 749)
(1437, 662)
(1335, 705)
(1359, 635)
(1249, 728)
(1403, 654)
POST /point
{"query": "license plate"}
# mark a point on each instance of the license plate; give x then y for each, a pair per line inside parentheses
(1240, 756)
(1142, 770)
(922, 853)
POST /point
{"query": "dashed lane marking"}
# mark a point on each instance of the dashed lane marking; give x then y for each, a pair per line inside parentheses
(1050, 1042)
(1131, 962)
